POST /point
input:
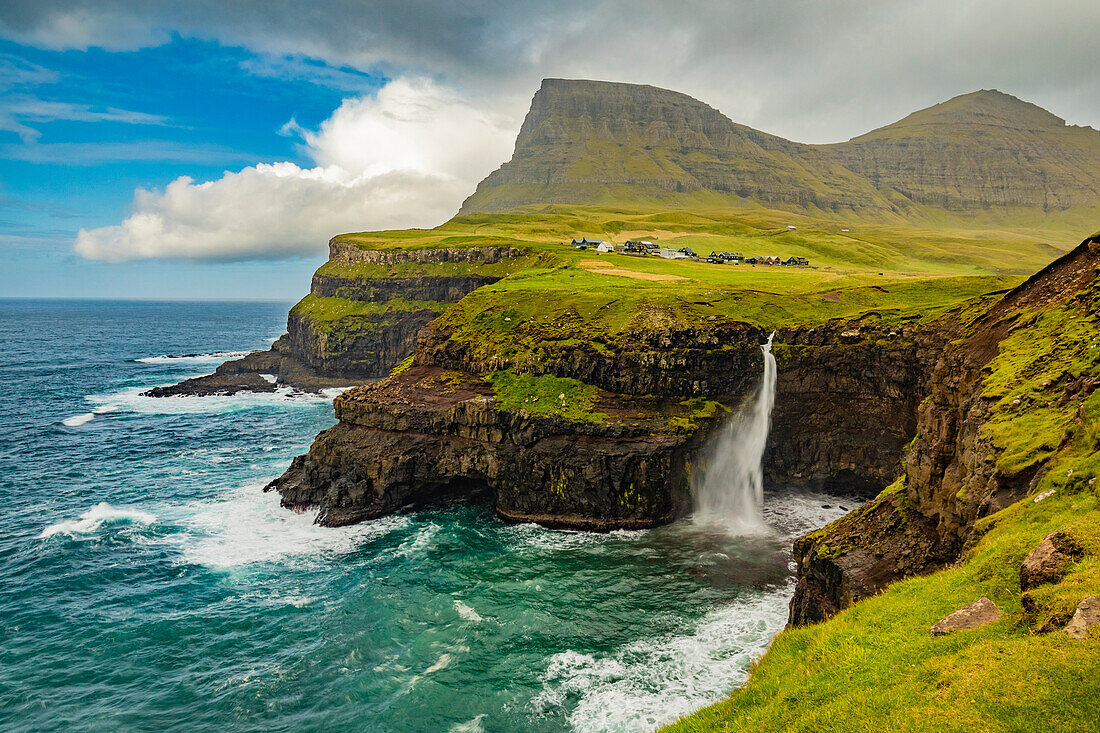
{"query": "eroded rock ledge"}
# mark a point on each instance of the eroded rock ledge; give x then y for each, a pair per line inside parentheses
(429, 435)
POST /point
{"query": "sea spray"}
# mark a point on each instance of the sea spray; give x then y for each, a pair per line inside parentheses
(730, 489)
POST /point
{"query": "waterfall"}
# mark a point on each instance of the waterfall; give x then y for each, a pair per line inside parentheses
(730, 487)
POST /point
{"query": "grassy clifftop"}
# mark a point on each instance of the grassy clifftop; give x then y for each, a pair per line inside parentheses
(549, 295)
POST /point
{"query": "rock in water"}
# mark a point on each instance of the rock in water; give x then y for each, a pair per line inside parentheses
(1084, 618)
(979, 613)
(1047, 563)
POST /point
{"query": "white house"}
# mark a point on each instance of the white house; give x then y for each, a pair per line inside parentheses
(605, 247)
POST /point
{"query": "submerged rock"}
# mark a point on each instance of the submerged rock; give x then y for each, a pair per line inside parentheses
(981, 612)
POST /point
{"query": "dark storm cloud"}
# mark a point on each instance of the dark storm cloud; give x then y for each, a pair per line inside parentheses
(815, 71)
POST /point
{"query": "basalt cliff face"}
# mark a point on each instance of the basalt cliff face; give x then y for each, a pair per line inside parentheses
(437, 432)
(428, 435)
(978, 447)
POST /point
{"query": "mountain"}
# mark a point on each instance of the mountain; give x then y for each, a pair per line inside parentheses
(984, 149)
(592, 142)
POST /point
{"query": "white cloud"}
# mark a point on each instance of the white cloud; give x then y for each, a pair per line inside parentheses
(403, 158)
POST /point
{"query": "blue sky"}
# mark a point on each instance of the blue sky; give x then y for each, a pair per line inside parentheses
(189, 107)
(159, 149)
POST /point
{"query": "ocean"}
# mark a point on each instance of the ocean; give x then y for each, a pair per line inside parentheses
(148, 583)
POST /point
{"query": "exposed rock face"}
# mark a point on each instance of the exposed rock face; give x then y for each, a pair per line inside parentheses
(427, 436)
(368, 345)
(846, 403)
(591, 142)
(1047, 563)
(846, 398)
(414, 439)
(1085, 618)
(951, 476)
(858, 555)
(981, 612)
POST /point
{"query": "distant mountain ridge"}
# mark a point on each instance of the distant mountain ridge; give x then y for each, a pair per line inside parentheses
(591, 142)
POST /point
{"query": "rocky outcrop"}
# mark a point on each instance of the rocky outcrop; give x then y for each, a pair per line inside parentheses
(1048, 562)
(860, 554)
(981, 612)
(260, 371)
(427, 435)
(952, 475)
(846, 396)
(1085, 618)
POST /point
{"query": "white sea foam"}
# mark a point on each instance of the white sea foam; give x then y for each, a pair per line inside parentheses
(653, 681)
(248, 526)
(102, 514)
(538, 537)
(77, 420)
(418, 542)
(466, 612)
(212, 358)
(795, 514)
(470, 726)
(131, 400)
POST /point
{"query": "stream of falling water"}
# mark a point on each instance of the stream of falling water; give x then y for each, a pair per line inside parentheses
(729, 491)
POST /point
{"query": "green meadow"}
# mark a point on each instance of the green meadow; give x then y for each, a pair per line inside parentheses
(554, 294)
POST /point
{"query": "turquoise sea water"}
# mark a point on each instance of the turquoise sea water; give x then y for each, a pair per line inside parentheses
(147, 583)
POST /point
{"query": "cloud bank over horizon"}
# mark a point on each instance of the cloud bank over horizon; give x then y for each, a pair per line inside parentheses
(813, 71)
(403, 158)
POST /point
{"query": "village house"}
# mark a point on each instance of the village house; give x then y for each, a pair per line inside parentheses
(671, 254)
(585, 243)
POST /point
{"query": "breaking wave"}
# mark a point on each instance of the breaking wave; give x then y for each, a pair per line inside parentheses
(101, 515)
(211, 358)
(77, 420)
(650, 682)
(248, 526)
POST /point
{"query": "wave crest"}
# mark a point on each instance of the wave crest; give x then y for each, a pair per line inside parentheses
(102, 514)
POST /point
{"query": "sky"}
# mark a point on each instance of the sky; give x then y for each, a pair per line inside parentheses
(209, 150)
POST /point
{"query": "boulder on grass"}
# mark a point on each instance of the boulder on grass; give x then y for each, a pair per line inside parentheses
(979, 613)
(1048, 562)
(1084, 618)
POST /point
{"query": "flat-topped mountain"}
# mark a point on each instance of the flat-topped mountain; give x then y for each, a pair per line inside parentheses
(589, 142)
